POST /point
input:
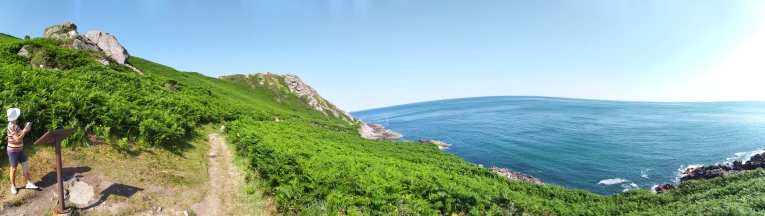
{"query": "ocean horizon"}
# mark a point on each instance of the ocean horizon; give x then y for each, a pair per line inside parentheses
(601, 146)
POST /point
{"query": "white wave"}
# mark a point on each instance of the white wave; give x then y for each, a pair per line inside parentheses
(680, 171)
(611, 181)
(629, 186)
(741, 156)
(653, 189)
(644, 173)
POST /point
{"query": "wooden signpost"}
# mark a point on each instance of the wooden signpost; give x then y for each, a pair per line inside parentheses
(55, 137)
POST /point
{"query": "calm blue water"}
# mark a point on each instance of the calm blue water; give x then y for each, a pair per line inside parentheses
(601, 146)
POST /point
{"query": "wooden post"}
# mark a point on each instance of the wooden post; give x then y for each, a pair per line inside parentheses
(55, 137)
(62, 208)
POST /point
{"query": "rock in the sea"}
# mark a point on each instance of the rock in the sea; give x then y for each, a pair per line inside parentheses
(664, 188)
(756, 161)
(109, 44)
(514, 175)
(706, 172)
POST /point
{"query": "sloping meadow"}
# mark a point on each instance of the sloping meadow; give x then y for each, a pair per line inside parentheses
(311, 163)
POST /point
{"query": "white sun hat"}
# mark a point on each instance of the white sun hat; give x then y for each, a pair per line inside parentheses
(13, 114)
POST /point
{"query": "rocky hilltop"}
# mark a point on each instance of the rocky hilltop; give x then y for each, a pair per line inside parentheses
(98, 41)
(292, 84)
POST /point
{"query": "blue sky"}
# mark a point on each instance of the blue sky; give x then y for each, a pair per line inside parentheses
(363, 54)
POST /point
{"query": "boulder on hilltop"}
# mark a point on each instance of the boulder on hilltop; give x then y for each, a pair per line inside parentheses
(93, 40)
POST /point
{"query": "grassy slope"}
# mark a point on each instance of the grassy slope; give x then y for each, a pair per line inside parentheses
(317, 164)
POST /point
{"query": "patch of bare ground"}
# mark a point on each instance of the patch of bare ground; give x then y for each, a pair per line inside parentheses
(107, 180)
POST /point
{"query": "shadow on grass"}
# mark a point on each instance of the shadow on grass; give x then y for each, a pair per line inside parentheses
(114, 189)
(176, 147)
(182, 144)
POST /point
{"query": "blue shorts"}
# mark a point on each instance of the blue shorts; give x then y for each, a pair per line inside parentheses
(16, 158)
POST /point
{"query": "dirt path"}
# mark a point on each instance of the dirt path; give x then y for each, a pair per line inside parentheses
(223, 179)
(102, 181)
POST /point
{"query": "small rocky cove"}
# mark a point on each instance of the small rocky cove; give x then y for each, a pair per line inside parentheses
(707, 172)
(378, 132)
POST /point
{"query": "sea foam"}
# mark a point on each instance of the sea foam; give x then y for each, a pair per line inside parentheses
(644, 173)
(611, 181)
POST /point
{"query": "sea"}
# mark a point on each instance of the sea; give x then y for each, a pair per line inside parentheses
(604, 147)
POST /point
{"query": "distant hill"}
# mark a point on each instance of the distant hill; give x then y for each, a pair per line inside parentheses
(308, 153)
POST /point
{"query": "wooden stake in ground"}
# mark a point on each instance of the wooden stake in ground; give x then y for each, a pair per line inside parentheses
(55, 136)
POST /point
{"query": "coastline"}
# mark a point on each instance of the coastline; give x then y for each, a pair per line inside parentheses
(378, 132)
(717, 170)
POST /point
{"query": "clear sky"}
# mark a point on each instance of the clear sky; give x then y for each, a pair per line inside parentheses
(363, 54)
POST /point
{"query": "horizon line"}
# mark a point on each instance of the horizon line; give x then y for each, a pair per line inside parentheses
(556, 97)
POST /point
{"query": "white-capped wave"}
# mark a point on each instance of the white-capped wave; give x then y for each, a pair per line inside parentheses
(629, 186)
(679, 174)
(625, 183)
(644, 173)
(653, 189)
(741, 156)
(611, 181)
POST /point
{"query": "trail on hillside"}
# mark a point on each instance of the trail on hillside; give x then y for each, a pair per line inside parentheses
(222, 179)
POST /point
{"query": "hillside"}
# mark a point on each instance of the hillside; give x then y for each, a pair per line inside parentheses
(311, 161)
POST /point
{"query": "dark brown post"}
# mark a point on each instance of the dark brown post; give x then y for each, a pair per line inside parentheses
(55, 137)
(61, 209)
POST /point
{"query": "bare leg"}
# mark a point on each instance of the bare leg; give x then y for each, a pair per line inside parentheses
(26, 177)
(25, 170)
(13, 176)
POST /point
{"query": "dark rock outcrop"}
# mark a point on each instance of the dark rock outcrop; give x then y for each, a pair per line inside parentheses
(706, 172)
(664, 188)
(756, 161)
(514, 175)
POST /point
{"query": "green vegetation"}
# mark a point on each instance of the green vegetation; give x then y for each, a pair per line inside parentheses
(311, 163)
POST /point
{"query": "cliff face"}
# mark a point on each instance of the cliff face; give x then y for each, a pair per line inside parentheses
(292, 84)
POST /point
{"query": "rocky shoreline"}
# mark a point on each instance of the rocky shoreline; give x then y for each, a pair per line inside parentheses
(376, 132)
(707, 172)
(441, 145)
(514, 175)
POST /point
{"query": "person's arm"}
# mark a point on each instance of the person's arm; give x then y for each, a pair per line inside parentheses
(20, 136)
(23, 133)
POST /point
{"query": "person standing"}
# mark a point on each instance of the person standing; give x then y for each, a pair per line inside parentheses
(16, 149)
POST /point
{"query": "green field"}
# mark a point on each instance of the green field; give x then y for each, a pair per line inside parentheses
(311, 163)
